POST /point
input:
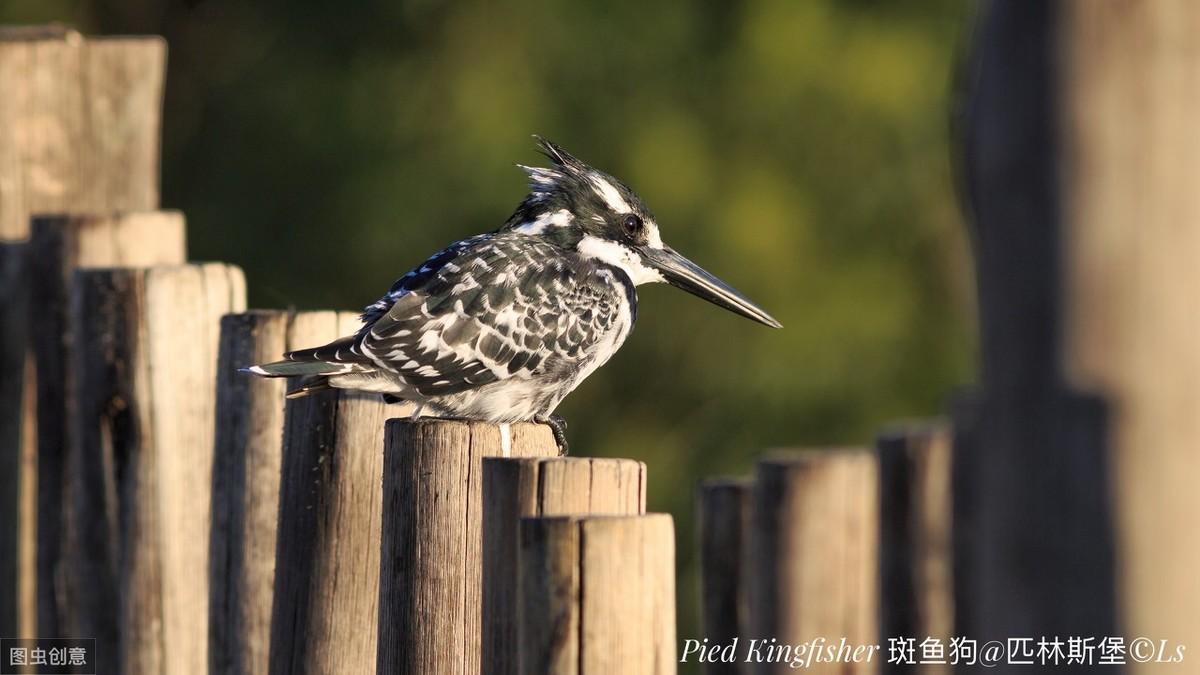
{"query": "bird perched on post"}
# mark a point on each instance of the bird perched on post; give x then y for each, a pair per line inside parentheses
(502, 326)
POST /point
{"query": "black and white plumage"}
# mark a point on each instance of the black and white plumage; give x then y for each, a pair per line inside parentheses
(502, 326)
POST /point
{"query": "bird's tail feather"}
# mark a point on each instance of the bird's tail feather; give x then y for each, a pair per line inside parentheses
(339, 352)
(339, 357)
(315, 365)
(294, 368)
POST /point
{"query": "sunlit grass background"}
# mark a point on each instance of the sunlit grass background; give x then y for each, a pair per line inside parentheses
(798, 149)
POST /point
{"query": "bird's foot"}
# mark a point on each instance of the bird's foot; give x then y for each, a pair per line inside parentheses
(558, 426)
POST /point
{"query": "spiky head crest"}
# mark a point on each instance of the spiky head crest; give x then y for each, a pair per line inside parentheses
(571, 200)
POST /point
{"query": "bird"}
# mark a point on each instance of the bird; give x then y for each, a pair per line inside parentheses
(502, 326)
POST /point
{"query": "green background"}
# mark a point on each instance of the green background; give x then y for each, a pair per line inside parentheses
(798, 149)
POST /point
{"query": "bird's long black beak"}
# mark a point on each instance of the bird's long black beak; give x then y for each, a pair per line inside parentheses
(683, 273)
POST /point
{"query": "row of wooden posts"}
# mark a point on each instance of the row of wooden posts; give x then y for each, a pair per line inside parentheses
(202, 526)
(193, 522)
(179, 512)
(199, 520)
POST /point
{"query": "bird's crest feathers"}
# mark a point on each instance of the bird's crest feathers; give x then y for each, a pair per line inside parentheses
(565, 165)
(561, 158)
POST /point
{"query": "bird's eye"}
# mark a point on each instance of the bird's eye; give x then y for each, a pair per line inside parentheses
(632, 224)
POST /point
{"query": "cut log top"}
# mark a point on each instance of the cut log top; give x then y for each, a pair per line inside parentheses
(520, 439)
(51, 31)
(570, 485)
(797, 457)
(84, 119)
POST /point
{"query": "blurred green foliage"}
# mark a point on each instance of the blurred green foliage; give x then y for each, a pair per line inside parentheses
(798, 149)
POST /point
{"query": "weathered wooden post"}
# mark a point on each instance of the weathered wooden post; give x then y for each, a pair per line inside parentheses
(81, 135)
(517, 487)
(247, 468)
(18, 473)
(723, 506)
(324, 608)
(58, 246)
(1031, 479)
(430, 591)
(597, 595)
(813, 546)
(83, 119)
(1129, 101)
(916, 591)
(140, 462)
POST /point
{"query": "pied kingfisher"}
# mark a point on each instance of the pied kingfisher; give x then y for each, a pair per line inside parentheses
(502, 326)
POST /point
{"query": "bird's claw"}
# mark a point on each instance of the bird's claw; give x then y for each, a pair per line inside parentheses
(558, 426)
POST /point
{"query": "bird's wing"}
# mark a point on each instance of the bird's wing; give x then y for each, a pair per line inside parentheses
(499, 307)
(420, 276)
(345, 354)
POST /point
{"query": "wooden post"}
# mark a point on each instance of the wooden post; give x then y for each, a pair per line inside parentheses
(1031, 480)
(430, 591)
(245, 486)
(597, 595)
(140, 462)
(81, 134)
(723, 506)
(81, 120)
(517, 487)
(813, 547)
(17, 475)
(60, 245)
(325, 605)
(915, 558)
(1131, 224)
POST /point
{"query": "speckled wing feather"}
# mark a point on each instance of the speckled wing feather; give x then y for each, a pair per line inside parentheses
(419, 277)
(489, 309)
